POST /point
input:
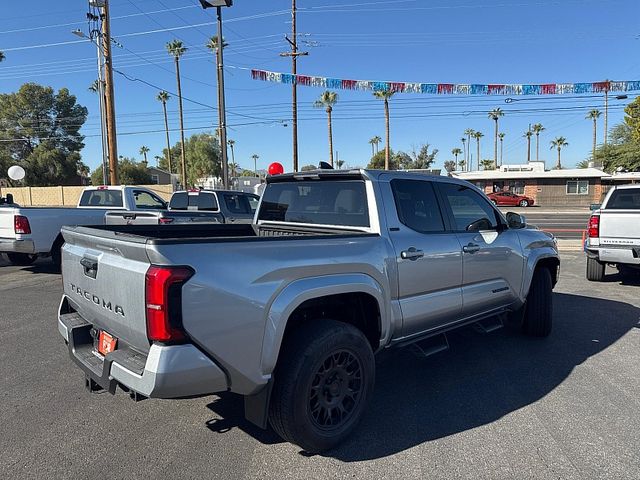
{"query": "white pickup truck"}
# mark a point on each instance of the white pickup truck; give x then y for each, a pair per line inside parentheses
(29, 232)
(614, 233)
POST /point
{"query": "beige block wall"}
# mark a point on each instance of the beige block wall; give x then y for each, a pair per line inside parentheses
(67, 196)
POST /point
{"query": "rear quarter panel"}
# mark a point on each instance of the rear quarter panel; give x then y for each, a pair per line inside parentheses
(228, 303)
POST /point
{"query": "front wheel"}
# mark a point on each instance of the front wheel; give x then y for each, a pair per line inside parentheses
(322, 384)
(21, 259)
(595, 270)
(524, 203)
(538, 314)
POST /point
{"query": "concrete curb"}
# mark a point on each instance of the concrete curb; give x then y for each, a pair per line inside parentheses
(571, 245)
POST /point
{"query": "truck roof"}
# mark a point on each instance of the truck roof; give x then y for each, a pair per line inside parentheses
(358, 173)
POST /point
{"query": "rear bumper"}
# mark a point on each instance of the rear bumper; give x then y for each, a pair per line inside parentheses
(618, 254)
(11, 245)
(167, 371)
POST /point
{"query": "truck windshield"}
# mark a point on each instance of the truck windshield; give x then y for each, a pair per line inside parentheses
(101, 198)
(334, 202)
(625, 198)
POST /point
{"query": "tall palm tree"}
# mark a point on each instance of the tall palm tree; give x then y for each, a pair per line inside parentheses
(176, 49)
(559, 143)
(255, 157)
(143, 151)
(456, 151)
(494, 115)
(158, 158)
(487, 164)
(327, 100)
(95, 86)
(212, 44)
(232, 144)
(594, 115)
(469, 133)
(537, 129)
(376, 140)
(372, 142)
(233, 166)
(501, 138)
(478, 136)
(464, 147)
(163, 97)
(385, 95)
(528, 134)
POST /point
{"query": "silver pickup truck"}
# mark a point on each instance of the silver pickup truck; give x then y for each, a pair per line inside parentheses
(289, 311)
(613, 233)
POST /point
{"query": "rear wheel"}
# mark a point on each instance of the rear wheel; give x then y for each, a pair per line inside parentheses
(56, 253)
(524, 203)
(538, 316)
(21, 259)
(595, 270)
(322, 384)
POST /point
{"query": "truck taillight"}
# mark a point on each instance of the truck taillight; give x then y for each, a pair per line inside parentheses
(163, 291)
(165, 221)
(594, 226)
(21, 224)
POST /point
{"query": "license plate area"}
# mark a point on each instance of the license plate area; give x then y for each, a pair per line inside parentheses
(106, 343)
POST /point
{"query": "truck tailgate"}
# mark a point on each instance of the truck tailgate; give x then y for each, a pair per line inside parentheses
(6, 222)
(620, 227)
(104, 279)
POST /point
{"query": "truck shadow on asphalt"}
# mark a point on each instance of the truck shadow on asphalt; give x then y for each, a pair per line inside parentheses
(482, 378)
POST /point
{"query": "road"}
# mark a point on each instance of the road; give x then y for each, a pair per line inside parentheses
(495, 406)
(565, 224)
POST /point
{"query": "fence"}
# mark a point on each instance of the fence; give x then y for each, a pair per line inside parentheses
(65, 196)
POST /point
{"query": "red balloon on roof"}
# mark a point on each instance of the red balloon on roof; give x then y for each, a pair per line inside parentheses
(275, 168)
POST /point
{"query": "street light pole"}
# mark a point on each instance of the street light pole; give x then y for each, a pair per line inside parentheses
(222, 116)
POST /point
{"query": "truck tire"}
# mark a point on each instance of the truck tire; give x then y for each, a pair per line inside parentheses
(538, 316)
(595, 270)
(56, 253)
(323, 381)
(21, 259)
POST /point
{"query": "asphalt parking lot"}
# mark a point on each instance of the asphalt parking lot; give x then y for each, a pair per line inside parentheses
(495, 406)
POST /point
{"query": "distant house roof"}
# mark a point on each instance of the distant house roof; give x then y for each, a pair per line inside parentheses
(156, 169)
(625, 177)
(500, 175)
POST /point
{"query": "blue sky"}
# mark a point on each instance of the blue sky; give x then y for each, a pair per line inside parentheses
(453, 41)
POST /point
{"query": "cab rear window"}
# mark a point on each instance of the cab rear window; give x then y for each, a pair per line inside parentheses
(202, 201)
(335, 202)
(625, 198)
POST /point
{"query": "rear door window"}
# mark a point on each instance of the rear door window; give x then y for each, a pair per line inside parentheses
(237, 203)
(625, 198)
(147, 200)
(417, 205)
(101, 198)
(470, 211)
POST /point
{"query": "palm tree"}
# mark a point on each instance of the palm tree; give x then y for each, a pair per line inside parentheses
(158, 158)
(537, 129)
(327, 100)
(501, 138)
(164, 97)
(464, 147)
(372, 142)
(255, 163)
(462, 164)
(143, 151)
(469, 133)
(487, 164)
(478, 136)
(528, 134)
(376, 140)
(212, 44)
(2, 56)
(559, 143)
(233, 166)
(385, 95)
(456, 151)
(594, 115)
(231, 144)
(176, 49)
(95, 86)
(494, 115)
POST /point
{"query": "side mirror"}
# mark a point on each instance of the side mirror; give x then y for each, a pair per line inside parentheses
(478, 225)
(595, 206)
(515, 220)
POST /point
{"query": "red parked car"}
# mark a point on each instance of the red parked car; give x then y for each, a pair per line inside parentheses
(510, 199)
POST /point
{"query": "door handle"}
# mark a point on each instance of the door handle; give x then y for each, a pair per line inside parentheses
(411, 254)
(471, 248)
(90, 267)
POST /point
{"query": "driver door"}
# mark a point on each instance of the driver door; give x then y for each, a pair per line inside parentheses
(492, 260)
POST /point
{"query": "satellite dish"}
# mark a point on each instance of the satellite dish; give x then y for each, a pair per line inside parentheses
(16, 172)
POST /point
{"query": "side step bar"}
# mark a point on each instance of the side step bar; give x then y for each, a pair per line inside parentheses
(431, 345)
(489, 324)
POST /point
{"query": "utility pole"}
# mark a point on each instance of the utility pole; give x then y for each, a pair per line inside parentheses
(294, 70)
(222, 116)
(108, 95)
(606, 113)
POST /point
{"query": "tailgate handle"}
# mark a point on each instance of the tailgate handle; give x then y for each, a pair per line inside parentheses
(90, 267)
